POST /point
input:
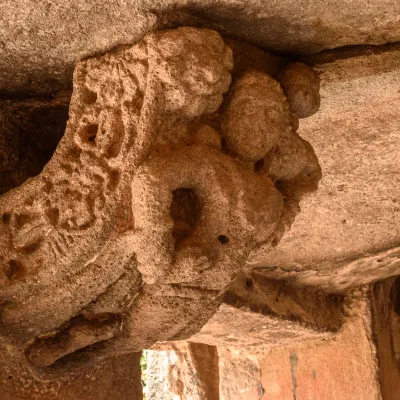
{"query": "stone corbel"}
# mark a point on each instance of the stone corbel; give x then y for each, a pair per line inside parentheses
(180, 157)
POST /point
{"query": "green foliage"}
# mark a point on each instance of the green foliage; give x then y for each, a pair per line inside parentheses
(143, 366)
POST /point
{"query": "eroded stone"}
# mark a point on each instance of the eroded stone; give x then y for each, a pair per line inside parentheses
(147, 210)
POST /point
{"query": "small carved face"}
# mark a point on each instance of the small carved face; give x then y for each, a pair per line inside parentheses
(256, 115)
(194, 70)
(301, 86)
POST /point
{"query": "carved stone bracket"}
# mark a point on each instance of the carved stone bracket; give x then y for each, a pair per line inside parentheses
(180, 157)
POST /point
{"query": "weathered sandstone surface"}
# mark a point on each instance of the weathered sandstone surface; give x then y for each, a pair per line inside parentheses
(175, 164)
(40, 42)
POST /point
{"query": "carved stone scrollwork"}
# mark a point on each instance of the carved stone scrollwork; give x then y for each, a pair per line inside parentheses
(167, 177)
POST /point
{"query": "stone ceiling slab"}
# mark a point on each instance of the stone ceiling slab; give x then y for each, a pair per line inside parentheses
(356, 135)
(41, 41)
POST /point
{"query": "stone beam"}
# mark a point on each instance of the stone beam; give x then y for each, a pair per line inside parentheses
(339, 277)
(38, 55)
(319, 367)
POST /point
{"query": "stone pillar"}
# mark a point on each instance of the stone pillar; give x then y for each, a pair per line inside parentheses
(183, 371)
(280, 360)
(386, 318)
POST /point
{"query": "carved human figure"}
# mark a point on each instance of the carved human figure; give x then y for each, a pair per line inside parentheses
(167, 177)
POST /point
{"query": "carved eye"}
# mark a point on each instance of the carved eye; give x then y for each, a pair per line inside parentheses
(223, 239)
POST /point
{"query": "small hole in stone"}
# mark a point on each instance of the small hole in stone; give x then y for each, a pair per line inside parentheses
(10, 377)
(92, 132)
(185, 211)
(89, 133)
(249, 283)
(223, 239)
(6, 218)
(259, 165)
(88, 96)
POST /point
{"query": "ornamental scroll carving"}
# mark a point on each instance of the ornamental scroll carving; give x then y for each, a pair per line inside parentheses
(180, 157)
